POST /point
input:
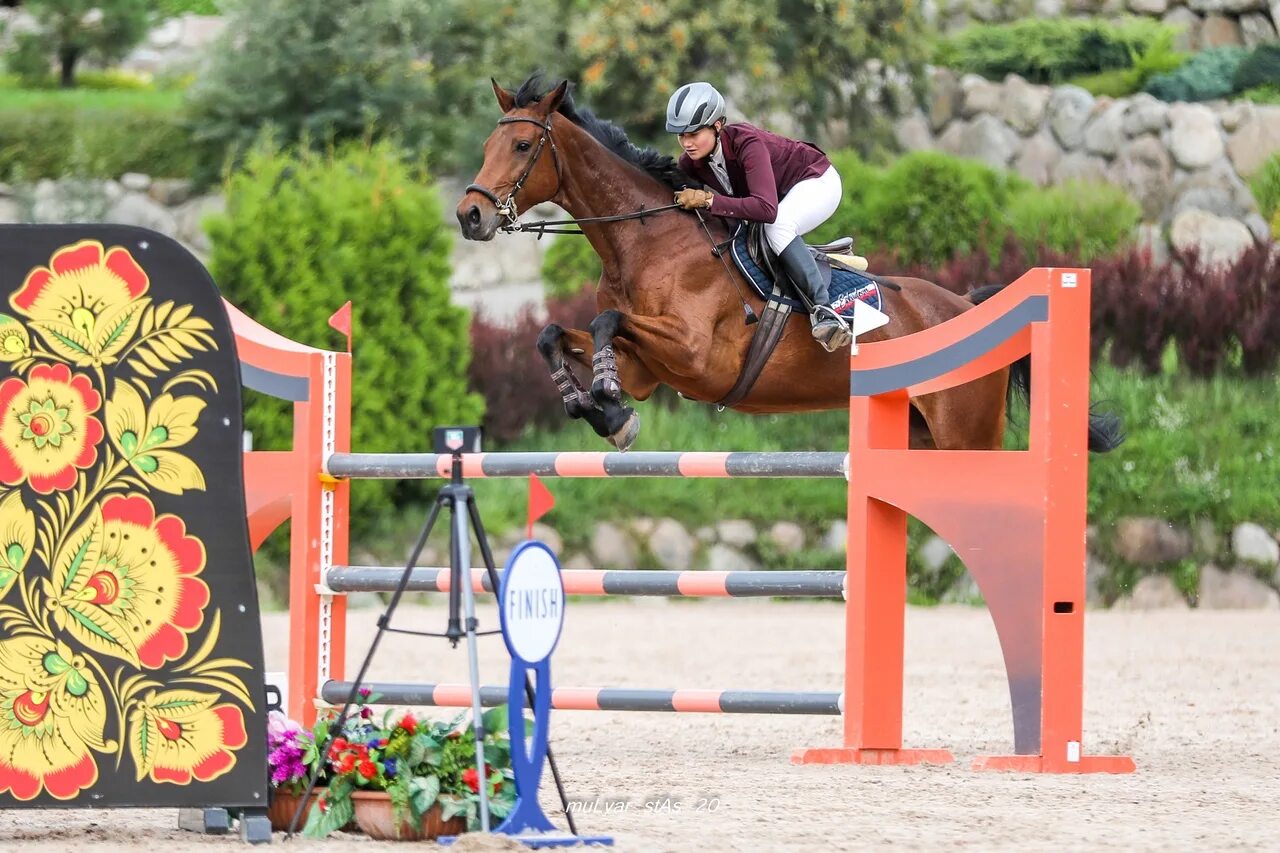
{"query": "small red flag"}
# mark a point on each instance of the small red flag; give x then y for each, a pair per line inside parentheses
(341, 320)
(540, 501)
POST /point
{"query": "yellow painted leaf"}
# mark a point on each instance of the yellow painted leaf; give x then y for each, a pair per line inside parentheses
(116, 330)
(173, 473)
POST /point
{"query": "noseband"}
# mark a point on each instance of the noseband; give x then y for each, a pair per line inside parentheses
(507, 207)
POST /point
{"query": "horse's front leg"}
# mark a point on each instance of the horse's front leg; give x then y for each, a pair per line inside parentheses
(606, 383)
(612, 421)
(577, 402)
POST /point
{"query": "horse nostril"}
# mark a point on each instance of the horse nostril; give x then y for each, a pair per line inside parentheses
(473, 215)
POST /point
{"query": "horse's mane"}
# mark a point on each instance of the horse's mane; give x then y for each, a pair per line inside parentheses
(661, 166)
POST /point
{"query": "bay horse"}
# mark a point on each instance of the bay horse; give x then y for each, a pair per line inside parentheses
(667, 314)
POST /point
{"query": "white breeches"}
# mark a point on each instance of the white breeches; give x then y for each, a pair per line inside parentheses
(809, 204)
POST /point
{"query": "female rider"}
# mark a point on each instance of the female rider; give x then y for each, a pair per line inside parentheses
(788, 185)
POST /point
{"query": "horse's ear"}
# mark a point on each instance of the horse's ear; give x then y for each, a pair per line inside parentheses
(551, 101)
(506, 99)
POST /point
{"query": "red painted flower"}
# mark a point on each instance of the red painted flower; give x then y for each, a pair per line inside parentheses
(47, 428)
(180, 735)
(87, 303)
(127, 583)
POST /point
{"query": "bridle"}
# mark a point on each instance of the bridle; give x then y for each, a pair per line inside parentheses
(507, 207)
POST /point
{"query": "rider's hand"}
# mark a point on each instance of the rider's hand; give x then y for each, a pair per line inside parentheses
(690, 199)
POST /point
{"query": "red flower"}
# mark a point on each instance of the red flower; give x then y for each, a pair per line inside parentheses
(472, 779)
(367, 770)
(408, 723)
(347, 764)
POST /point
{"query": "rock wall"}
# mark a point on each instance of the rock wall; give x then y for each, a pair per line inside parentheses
(1205, 23)
(1185, 164)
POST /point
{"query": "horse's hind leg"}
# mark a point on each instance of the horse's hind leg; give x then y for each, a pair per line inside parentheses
(967, 417)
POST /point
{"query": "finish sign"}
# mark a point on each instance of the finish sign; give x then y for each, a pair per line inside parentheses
(532, 611)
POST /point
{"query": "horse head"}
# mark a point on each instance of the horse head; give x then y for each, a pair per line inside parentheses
(521, 165)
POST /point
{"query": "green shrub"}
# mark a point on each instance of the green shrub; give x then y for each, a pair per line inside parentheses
(1077, 218)
(302, 233)
(929, 205)
(58, 139)
(569, 265)
(1051, 50)
(1207, 75)
(1265, 184)
(174, 8)
(313, 69)
(1260, 68)
(1262, 95)
(29, 60)
(857, 177)
(1156, 57)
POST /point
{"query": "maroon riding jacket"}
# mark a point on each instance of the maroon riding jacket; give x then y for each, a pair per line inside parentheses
(763, 165)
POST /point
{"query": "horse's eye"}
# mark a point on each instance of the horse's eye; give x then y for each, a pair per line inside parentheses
(523, 145)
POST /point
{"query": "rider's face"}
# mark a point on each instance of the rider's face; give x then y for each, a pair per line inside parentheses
(698, 144)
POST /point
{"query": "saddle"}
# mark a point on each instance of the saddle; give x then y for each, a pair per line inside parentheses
(854, 295)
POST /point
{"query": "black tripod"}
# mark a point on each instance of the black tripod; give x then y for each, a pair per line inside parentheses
(458, 498)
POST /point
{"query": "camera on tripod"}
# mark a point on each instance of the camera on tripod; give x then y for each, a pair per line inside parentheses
(457, 439)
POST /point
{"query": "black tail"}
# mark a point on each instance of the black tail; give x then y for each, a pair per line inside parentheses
(1105, 433)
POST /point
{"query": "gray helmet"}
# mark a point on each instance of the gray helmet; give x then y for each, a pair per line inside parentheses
(694, 105)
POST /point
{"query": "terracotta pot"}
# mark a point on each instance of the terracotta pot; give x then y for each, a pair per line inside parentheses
(377, 819)
(282, 806)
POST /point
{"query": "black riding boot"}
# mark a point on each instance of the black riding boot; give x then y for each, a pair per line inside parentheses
(828, 328)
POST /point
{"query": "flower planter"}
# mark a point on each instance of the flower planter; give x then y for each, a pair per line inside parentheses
(377, 819)
(283, 804)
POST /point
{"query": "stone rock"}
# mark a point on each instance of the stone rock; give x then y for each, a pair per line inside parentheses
(1219, 31)
(1256, 138)
(945, 98)
(837, 537)
(1150, 541)
(787, 536)
(1039, 155)
(1238, 590)
(1258, 227)
(705, 535)
(1253, 544)
(1154, 592)
(1151, 237)
(722, 558)
(1144, 114)
(1195, 139)
(1143, 170)
(611, 548)
(1024, 104)
(167, 34)
(1104, 134)
(1255, 29)
(1149, 7)
(135, 182)
(578, 560)
(933, 553)
(989, 140)
(1224, 6)
(912, 132)
(1047, 8)
(11, 212)
(170, 192)
(135, 209)
(1077, 165)
(736, 532)
(1068, 113)
(191, 216)
(1220, 241)
(73, 201)
(1232, 115)
(1216, 189)
(643, 527)
(979, 96)
(548, 534)
(672, 546)
(6, 191)
(1188, 26)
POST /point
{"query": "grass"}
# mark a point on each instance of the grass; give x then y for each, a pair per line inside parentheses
(13, 98)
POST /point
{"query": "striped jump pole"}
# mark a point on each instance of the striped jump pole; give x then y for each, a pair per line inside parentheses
(817, 584)
(603, 698)
(691, 464)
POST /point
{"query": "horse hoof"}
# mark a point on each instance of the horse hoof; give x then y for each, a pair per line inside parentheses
(626, 434)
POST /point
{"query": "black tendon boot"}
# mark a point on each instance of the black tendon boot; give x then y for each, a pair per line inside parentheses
(829, 329)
